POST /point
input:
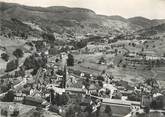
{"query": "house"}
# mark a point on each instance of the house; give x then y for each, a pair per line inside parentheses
(153, 58)
(57, 36)
(111, 88)
(2, 65)
(53, 51)
(93, 87)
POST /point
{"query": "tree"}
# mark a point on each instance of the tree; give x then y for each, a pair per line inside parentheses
(80, 44)
(70, 60)
(158, 102)
(101, 78)
(18, 53)
(12, 65)
(61, 99)
(133, 44)
(49, 37)
(129, 44)
(134, 97)
(117, 95)
(124, 65)
(9, 96)
(142, 49)
(147, 46)
(39, 45)
(5, 56)
(30, 62)
(152, 82)
(60, 72)
(70, 111)
(116, 50)
(35, 62)
(108, 110)
(102, 60)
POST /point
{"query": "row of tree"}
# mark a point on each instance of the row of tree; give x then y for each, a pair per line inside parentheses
(18, 53)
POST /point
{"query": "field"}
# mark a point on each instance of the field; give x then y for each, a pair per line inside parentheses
(5, 42)
(10, 46)
(157, 46)
(160, 73)
(131, 75)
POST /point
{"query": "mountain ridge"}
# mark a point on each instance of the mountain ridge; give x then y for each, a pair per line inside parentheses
(76, 21)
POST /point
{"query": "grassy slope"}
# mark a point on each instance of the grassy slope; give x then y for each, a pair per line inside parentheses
(10, 46)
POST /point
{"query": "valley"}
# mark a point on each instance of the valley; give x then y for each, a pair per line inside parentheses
(60, 59)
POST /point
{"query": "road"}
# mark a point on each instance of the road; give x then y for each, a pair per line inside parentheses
(155, 73)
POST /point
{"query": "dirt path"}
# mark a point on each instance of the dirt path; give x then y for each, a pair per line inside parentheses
(155, 73)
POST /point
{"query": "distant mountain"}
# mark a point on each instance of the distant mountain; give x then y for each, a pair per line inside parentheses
(144, 22)
(65, 20)
(49, 19)
(117, 17)
(154, 30)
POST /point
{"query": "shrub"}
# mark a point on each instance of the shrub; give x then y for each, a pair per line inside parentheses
(34, 62)
(18, 53)
(158, 103)
(12, 65)
(70, 60)
(102, 60)
(5, 56)
(134, 97)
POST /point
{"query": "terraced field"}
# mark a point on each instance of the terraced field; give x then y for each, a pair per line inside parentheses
(131, 75)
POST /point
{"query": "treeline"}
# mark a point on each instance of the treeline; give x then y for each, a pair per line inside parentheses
(15, 27)
(12, 65)
(34, 62)
(49, 38)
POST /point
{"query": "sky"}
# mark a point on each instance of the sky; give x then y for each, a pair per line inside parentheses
(153, 9)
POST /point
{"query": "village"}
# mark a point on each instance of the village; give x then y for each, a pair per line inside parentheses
(82, 58)
(84, 79)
